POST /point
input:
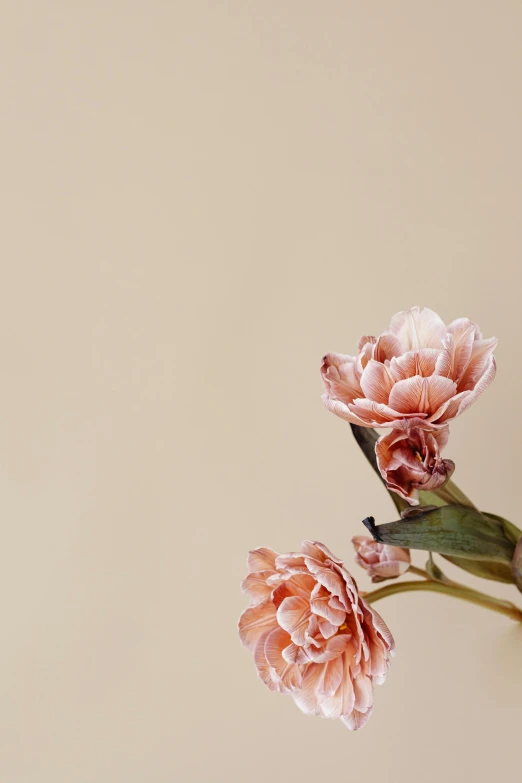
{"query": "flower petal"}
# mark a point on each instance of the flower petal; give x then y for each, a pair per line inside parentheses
(478, 365)
(340, 377)
(321, 606)
(481, 386)
(306, 697)
(376, 382)
(343, 411)
(293, 615)
(330, 680)
(456, 353)
(412, 363)
(333, 648)
(267, 674)
(421, 395)
(356, 720)
(318, 551)
(386, 347)
(375, 414)
(261, 559)
(255, 621)
(417, 328)
(256, 587)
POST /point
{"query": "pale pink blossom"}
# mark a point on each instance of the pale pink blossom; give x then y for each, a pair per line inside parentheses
(381, 561)
(312, 634)
(418, 368)
(409, 459)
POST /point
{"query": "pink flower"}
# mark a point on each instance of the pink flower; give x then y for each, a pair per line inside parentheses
(419, 368)
(312, 634)
(381, 561)
(409, 459)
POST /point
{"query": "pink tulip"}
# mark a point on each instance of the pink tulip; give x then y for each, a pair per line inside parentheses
(419, 368)
(381, 561)
(409, 459)
(312, 634)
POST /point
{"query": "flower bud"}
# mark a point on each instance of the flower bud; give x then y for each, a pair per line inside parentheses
(409, 459)
(381, 561)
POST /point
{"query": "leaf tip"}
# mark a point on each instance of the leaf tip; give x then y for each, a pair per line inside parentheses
(369, 524)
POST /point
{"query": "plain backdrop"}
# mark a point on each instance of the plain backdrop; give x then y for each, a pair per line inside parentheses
(200, 199)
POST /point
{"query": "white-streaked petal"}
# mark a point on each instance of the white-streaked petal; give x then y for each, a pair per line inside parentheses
(375, 414)
(255, 586)
(422, 362)
(261, 559)
(421, 395)
(386, 347)
(376, 382)
(356, 720)
(340, 377)
(417, 328)
(343, 411)
(481, 386)
(255, 621)
(293, 615)
(479, 363)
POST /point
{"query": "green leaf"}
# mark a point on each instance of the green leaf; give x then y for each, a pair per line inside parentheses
(499, 572)
(516, 565)
(450, 530)
(512, 532)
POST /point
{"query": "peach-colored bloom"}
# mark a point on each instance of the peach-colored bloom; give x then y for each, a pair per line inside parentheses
(381, 561)
(312, 634)
(409, 459)
(419, 368)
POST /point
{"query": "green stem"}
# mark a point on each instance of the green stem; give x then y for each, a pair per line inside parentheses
(450, 493)
(418, 572)
(457, 591)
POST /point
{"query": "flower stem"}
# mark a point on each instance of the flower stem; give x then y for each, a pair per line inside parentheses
(457, 591)
(418, 572)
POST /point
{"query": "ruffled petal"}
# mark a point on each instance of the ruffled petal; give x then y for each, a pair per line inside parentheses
(376, 382)
(478, 365)
(417, 328)
(343, 411)
(261, 559)
(340, 377)
(376, 414)
(386, 347)
(333, 648)
(318, 551)
(420, 395)
(306, 697)
(481, 386)
(256, 587)
(422, 362)
(321, 606)
(293, 615)
(356, 720)
(330, 680)
(458, 343)
(265, 671)
(255, 621)
(287, 672)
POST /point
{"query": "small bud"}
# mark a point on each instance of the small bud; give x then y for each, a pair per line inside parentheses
(380, 560)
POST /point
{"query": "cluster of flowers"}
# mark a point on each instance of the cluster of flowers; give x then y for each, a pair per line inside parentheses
(415, 378)
(312, 633)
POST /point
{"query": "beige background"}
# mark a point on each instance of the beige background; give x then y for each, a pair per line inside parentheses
(199, 200)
